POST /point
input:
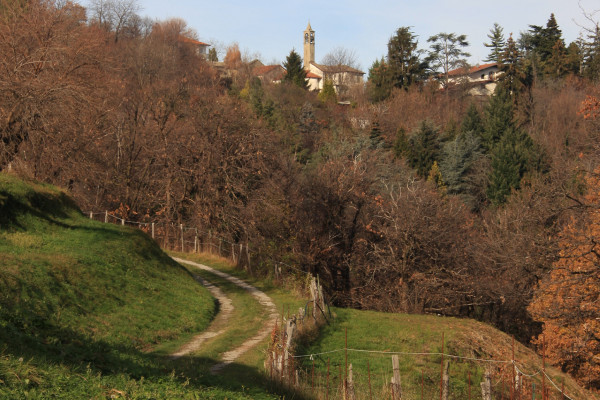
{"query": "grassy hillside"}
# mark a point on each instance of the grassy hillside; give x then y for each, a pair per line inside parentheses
(374, 334)
(83, 304)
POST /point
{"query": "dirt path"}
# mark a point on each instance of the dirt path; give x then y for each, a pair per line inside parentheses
(233, 354)
(217, 327)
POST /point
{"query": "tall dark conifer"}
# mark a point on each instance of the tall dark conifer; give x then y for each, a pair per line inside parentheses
(295, 72)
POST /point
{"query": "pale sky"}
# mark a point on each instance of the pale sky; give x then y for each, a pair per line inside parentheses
(271, 29)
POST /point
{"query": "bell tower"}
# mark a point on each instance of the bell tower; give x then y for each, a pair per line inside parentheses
(309, 47)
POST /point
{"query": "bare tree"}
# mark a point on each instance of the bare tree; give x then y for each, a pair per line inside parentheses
(341, 68)
(115, 15)
(341, 56)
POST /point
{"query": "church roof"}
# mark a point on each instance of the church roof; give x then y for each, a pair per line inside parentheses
(332, 69)
(308, 28)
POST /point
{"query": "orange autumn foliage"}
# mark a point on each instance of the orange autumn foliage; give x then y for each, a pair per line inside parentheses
(568, 301)
(590, 108)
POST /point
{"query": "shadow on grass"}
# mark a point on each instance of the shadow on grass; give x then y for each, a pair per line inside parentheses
(45, 343)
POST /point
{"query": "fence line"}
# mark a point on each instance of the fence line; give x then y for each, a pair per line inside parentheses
(339, 384)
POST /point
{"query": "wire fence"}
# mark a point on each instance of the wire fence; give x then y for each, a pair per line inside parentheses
(351, 373)
(354, 373)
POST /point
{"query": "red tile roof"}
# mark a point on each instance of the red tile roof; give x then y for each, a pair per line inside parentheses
(184, 39)
(265, 69)
(477, 68)
(313, 75)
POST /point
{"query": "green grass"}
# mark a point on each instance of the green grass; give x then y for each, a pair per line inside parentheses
(385, 332)
(84, 306)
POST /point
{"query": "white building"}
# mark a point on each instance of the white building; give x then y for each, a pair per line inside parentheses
(481, 79)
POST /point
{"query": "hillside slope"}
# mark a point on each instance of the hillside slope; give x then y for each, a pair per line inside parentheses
(470, 347)
(82, 304)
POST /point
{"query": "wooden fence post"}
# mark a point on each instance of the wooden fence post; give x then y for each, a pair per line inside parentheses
(486, 385)
(153, 230)
(446, 380)
(350, 385)
(248, 255)
(396, 384)
(91, 215)
(123, 221)
(105, 217)
(181, 231)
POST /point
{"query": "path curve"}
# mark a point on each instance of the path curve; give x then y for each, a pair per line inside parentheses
(225, 310)
(230, 356)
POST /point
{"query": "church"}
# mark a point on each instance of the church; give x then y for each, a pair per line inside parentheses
(342, 76)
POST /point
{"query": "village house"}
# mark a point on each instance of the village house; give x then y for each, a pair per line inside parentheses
(200, 48)
(481, 80)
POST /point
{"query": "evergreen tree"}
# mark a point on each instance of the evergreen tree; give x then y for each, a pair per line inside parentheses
(212, 55)
(457, 160)
(496, 44)
(435, 177)
(556, 65)
(405, 65)
(547, 44)
(513, 77)
(424, 148)
(591, 55)
(446, 53)
(295, 72)
(510, 161)
(472, 121)
(328, 94)
(574, 58)
(379, 84)
(499, 117)
(401, 144)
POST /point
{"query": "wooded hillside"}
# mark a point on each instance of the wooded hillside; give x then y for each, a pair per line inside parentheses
(412, 199)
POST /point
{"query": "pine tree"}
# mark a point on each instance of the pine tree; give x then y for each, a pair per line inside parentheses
(499, 117)
(496, 44)
(401, 144)
(424, 148)
(591, 55)
(547, 44)
(472, 121)
(510, 161)
(295, 72)
(458, 158)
